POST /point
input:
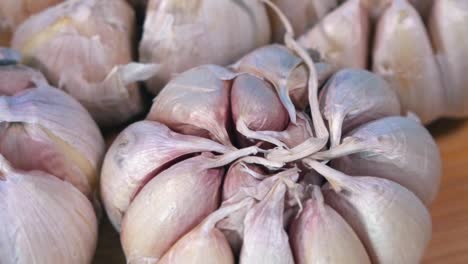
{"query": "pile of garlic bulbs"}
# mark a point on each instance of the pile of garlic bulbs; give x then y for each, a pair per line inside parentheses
(419, 46)
(50, 156)
(231, 166)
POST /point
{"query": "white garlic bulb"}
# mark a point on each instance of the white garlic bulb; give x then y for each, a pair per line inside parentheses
(183, 34)
(43, 219)
(84, 47)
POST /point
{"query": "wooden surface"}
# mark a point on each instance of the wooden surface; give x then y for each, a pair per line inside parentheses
(449, 243)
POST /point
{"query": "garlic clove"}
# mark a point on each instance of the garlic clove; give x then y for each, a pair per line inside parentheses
(241, 175)
(396, 148)
(448, 24)
(265, 240)
(180, 36)
(320, 235)
(377, 7)
(16, 78)
(205, 244)
(278, 65)
(138, 154)
(202, 95)
(44, 219)
(256, 107)
(382, 213)
(84, 47)
(403, 56)
(44, 128)
(341, 48)
(353, 97)
(172, 204)
(302, 15)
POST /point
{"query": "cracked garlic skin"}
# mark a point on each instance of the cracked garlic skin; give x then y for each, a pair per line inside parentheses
(449, 28)
(84, 47)
(196, 102)
(138, 154)
(181, 34)
(341, 48)
(393, 224)
(302, 15)
(396, 148)
(320, 235)
(43, 128)
(404, 57)
(44, 219)
(353, 97)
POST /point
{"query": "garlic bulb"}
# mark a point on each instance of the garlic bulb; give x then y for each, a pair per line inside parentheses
(13, 12)
(302, 14)
(404, 57)
(45, 129)
(396, 148)
(320, 235)
(342, 36)
(84, 47)
(382, 213)
(354, 97)
(172, 203)
(43, 219)
(201, 93)
(448, 26)
(138, 154)
(180, 35)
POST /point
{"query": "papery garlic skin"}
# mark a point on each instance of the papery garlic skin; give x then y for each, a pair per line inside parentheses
(13, 12)
(404, 57)
(16, 78)
(449, 28)
(399, 149)
(342, 36)
(265, 240)
(167, 207)
(44, 220)
(180, 35)
(138, 154)
(391, 221)
(320, 235)
(353, 97)
(239, 176)
(84, 47)
(302, 15)
(196, 102)
(43, 128)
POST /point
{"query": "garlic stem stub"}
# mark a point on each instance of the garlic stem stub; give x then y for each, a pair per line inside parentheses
(43, 128)
(44, 219)
(180, 35)
(84, 47)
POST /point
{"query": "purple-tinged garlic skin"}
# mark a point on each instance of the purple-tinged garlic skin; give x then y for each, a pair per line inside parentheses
(167, 207)
(45, 129)
(84, 47)
(353, 97)
(196, 103)
(181, 34)
(404, 57)
(302, 15)
(449, 28)
(383, 214)
(138, 154)
(44, 219)
(265, 240)
(255, 107)
(16, 78)
(320, 235)
(239, 176)
(396, 148)
(342, 36)
(284, 70)
(206, 244)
